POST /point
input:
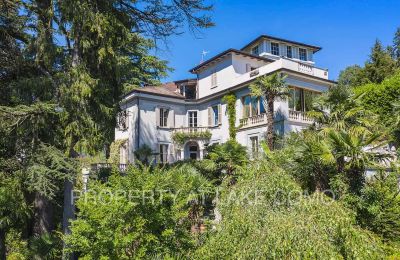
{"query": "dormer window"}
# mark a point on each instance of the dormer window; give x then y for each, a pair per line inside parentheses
(275, 48)
(302, 54)
(255, 50)
(289, 52)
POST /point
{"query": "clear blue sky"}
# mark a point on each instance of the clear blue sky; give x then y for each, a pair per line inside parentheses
(345, 30)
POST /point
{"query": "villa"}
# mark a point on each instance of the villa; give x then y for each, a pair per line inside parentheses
(152, 115)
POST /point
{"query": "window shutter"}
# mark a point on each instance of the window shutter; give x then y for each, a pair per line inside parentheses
(219, 114)
(295, 52)
(210, 116)
(158, 116)
(171, 118)
(268, 46)
(248, 67)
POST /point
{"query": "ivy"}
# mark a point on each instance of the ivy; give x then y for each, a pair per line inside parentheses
(230, 100)
(115, 150)
(181, 137)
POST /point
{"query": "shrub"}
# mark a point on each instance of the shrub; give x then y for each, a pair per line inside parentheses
(283, 224)
(125, 225)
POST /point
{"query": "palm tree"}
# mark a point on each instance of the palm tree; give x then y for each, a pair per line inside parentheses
(270, 88)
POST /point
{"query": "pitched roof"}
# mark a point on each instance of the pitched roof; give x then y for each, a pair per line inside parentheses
(167, 89)
(228, 51)
(316, 48)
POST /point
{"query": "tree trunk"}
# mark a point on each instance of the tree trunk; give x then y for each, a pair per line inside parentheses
(44, 215)
(2, 244)
(270, 123)
(68, 207)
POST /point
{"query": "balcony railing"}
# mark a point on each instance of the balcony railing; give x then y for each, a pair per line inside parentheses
(299, 116)
(254, 120)
(188, 130)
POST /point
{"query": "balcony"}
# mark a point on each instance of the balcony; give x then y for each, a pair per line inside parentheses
(188, 130)
(98, 166)
(253, 121)
(299, 116)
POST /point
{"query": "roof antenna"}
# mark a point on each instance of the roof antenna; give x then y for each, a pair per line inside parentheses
(203, 54)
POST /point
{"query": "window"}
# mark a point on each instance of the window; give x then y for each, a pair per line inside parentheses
(192, 118)
(254, 146)
(252, 106)
(122, 120)
(164, 117)
(255, 50)
(275, 48)
(289, 52)
(301, 99)
(163, 153)
(216, 115)
(214, 79)
(302, 54)
(193, 151)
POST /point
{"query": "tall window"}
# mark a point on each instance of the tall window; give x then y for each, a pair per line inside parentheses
(302, 54)
(192, 118)
(255, 50)
(289, 52)
(301, 99)
(163, 153)
(214, 82)
(215, 110)
(252, 106)
(164, 117)
(275, 48)
(254, 146)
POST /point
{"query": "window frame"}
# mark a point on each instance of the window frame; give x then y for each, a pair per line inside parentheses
(288, 47)
(305, 54)
(196, 118)
(163, 153)
(303, 91)
(256, 47)
(276, 44)
(254, 146)
(215, 119)
(163, 116)
(251, 107)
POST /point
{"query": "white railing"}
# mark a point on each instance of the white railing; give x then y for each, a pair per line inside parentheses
(299, 116)
(304, 68)
(198, 129)
(254, 120)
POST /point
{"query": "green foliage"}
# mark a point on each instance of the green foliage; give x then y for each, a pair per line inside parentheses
(230, 100)
(265, 215)
(227, 157)
(181, 137)
(352, 76)
(380, 64)
(115, 151)
(143, 213)
(143, 154)
(379, 206)
(270, 88)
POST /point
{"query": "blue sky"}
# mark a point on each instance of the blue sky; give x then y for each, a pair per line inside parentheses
(345, 30)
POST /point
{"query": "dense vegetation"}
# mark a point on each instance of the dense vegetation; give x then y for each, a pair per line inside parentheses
(64, 66)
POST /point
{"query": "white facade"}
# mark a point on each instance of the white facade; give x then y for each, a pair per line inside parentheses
(154, 116)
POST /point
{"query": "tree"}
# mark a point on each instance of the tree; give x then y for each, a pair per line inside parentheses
(270, 88)
(396, 46)
(228, 157)
(380, 64)
(144, 214)
(352, 76)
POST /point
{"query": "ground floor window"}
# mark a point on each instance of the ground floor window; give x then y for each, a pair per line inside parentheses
(163, 153)
(254, 146)
(193, 151)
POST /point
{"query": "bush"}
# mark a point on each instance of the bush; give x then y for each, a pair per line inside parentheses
(283, 224)
(122, 224)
